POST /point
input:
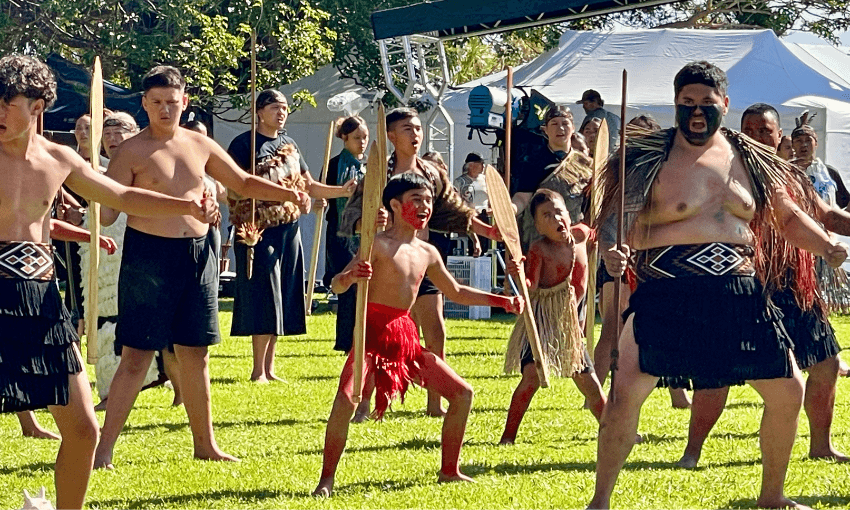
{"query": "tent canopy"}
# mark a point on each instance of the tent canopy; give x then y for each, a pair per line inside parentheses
(449, 19)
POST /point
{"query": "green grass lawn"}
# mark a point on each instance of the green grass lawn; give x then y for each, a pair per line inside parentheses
(278, 430)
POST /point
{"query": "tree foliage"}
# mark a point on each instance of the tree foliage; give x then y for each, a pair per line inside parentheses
(207, 39)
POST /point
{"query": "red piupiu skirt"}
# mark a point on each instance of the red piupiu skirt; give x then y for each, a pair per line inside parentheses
(392, 353)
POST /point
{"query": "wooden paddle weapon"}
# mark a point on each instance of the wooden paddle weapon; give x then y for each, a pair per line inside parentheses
(94, 213)
(600, 156)
(615, 351)
(503, 212)
(317, 230)
(373, 189)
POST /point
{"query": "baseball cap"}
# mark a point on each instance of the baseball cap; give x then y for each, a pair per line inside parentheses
(589, 95)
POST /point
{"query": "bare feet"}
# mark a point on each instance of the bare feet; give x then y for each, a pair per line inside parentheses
(688, 461)
(325, 489)
(273, 377)
(39, 433)
(781, 503)
(507, 440)
(101, 406)
(103, 463)
(259, 379)
(831, 454)
(436, 413)
(456, 477)
(216, 456)
(362, 413)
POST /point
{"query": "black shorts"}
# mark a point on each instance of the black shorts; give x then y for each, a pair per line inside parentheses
(442, 243)
(167, 292)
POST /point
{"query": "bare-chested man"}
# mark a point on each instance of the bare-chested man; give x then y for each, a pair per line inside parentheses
(815, 345)
(37, 327)
(699, 310)
(168, 290)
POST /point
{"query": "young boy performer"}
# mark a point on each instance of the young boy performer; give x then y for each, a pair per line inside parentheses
(557, 270)
(168, 286)
(393, 354)
(40, 363)
(451, 214)
(691, 195)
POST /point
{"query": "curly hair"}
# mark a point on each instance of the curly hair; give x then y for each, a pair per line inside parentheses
(701, 73)
(22, 75)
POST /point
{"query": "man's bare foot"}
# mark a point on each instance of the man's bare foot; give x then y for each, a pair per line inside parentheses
(831, 454)
(688, 461)
(456, 477)
(436, 413)
(216, 456)
(259, 379)
(103, 462)
(781, 503)
(325, 489)
(39, 433)
(507, 440)
(101, 406)
(273, 377)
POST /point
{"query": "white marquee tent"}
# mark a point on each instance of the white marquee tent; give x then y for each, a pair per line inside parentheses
(761, 68)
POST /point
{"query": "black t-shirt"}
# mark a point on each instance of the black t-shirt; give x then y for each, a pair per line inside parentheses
(541, 164)
(240, 149)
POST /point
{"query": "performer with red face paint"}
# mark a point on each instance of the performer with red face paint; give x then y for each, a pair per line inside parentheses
(400, 260)
(451, 214)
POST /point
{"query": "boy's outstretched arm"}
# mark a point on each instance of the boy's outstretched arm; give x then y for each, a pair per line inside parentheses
(464, 295)
(64, 231)
(355, 270)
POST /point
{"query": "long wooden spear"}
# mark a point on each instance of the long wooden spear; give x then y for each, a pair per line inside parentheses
(317, 230)
(615, 351)
(373, 188)
(600, 156)
(94, 213)
(250, 251)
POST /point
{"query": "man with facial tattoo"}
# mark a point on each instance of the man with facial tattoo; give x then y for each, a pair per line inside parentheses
(696, 197)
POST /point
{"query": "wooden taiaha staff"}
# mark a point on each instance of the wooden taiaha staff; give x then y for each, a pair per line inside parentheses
(600, 156)
(94, 213)
(317, 230)
(509, 126)
(373, 189)
(615, 351)
(250, 251)
(503, 212)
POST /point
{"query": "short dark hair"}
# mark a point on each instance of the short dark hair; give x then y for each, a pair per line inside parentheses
(645, 121)
(702, 73)
(760, 109)
(556, 111)
(163, 77)
(399, 114)
(270, 96)
(542, 196)
(400, 184)
(22, 75)
(348, 125)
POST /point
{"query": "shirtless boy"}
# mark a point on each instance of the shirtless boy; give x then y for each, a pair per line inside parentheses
(168, 286)
(42, 335)
(451, 214)
(699, 311)
(557, 274)
(399, 262)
